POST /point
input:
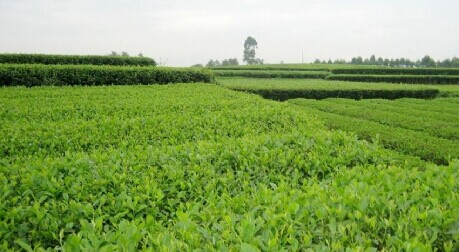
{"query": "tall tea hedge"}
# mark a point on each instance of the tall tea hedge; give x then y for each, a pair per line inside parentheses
(64, 75)
(286, 94)
(48, 59)
(397, 71)
(410, 79)
(272, 74)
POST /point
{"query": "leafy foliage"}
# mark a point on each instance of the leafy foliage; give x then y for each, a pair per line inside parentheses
(48, 59)
(420, 79)
(426, 61)
(230, 62)
(250, 45)
(184, 167)
(282, 89)
(443, 125)
(272, 74)
(345, 73)
(54, 75)
(399, 131)
(286, 94)
(225, 62)
(271, 67)
(397, 71)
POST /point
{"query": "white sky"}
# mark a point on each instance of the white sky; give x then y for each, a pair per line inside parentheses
(186, 32)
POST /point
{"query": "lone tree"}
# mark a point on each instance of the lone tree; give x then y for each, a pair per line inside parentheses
(250, 45)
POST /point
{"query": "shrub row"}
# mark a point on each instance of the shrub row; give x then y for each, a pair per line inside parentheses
(48, 59)
(409, 142)
(397, 71)
(436, 109)
(271, 68)
(444, 106)
(60, 75)
(410, 79)
(399, 118)
(272, 74)
(286, 94)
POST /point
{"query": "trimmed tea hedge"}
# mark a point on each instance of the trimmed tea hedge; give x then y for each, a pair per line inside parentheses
(48, 59)
(397, 71)
(406, 141)
(272, 74)
(399, 117)
(55, 75)
(271, 68)
(286, 94)
(410, 79)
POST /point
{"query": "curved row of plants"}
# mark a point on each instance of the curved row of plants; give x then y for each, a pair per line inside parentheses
(413, 79)
(396, 71)
(446, 127)
(408, 140)
(284, 89)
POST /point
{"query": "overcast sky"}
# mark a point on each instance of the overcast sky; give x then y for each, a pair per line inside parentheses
(184, 32)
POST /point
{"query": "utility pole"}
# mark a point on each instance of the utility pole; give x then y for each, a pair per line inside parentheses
(302, 57)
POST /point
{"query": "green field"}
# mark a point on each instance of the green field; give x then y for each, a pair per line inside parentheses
(345, 69)
(284, 89)
(214, 167)
(412, 79)
(355, 73)
(427, 129)
(409, 129)
(296, 67)
(290, 74)
(286, 84)
(197, 166)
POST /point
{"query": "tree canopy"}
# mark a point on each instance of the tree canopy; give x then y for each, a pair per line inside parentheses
(250, 45)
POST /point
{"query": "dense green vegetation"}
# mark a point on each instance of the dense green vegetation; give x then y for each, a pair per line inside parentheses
(397, 71)
(271, 67)
(183, 167)
(292, 67)
(445, 105)
(345, 73)
(282, 89)
(426, 61)
(446, 90)
(408, 129)
(48, 59)
(63, 75)
(272, 74)
(417, 79)
(364, 110)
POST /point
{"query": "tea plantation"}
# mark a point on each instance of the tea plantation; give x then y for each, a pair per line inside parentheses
(181, 167)
(92, 161)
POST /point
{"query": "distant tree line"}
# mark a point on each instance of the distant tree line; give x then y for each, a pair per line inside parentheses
(123, 54)
(225, 62)
(216, 63)
(427, 61)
